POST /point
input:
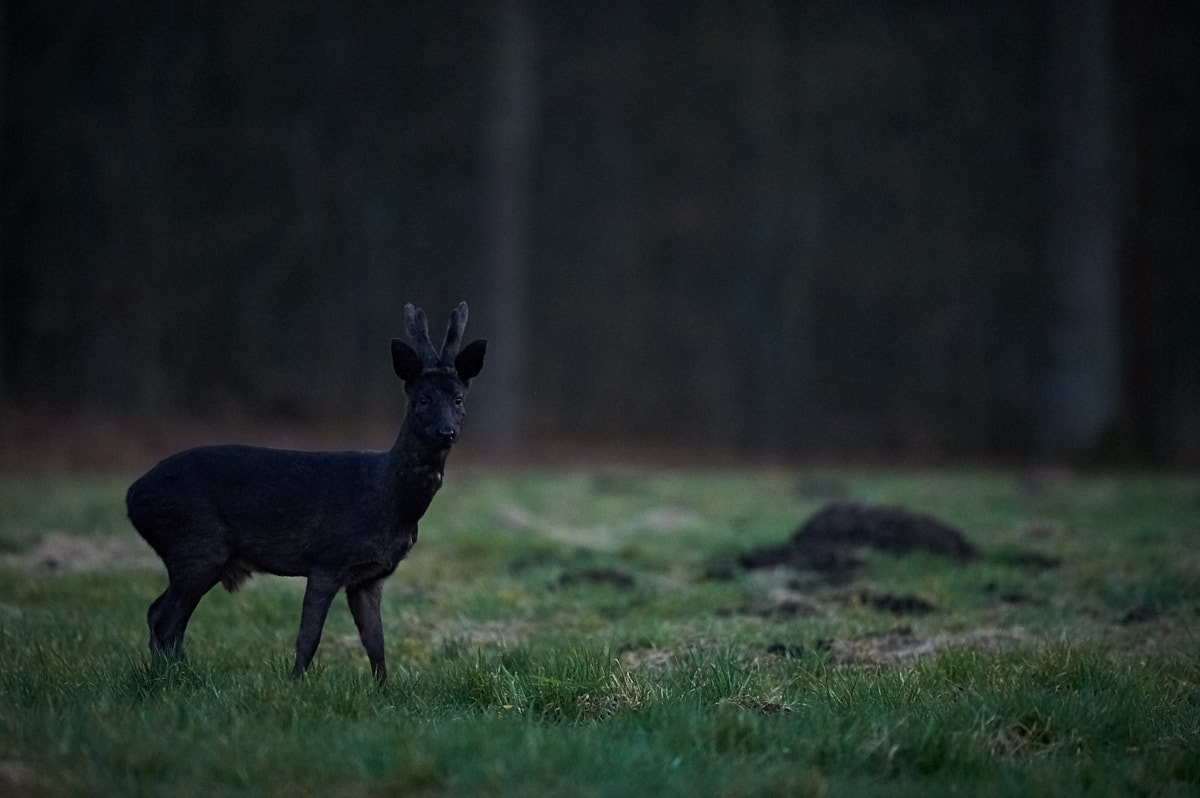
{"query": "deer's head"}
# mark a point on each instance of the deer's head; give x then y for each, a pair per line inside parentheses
(436, 383)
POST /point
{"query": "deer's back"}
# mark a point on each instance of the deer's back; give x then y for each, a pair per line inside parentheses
(276, 508)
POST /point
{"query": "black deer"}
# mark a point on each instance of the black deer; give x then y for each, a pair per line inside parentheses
(341, 519)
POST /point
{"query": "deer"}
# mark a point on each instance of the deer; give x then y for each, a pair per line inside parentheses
(340, 519)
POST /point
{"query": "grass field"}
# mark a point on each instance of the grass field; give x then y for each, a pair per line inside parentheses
(592, 633)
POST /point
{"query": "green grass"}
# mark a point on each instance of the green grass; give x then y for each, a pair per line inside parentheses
(584, 633)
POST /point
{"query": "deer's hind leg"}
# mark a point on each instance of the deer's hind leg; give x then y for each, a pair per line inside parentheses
(167, 618)
(192, 571)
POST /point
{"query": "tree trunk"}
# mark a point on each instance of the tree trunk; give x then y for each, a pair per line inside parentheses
(508, 167)
(769, 296)
(1140, 25)
(1081, 384)
(3, 319)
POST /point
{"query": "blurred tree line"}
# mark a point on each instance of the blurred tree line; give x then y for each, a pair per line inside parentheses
(792, 228)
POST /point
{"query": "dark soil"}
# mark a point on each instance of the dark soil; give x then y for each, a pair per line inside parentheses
(1140, 614)
(908, 604)
(783, 605)
(604, 577)
(1011, 596)
(1027, 560)
(786, 650)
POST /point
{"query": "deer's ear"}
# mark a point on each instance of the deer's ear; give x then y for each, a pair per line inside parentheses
(406, 361)
(470, 360)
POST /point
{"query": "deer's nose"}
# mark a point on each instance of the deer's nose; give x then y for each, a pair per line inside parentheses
(448, 434)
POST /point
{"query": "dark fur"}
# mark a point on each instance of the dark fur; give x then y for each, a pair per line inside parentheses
(341, 519)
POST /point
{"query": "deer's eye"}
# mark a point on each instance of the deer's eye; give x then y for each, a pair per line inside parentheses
(458, 399)
(423, 401)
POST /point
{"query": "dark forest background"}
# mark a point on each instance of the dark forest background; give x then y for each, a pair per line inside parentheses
(787, 229)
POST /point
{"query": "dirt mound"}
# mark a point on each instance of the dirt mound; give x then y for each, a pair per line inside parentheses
(784, 604)
(827, 541)
(901, 645)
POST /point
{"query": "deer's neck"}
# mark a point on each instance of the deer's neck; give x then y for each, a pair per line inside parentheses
(415, 472)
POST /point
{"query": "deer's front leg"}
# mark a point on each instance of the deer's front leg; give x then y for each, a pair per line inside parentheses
(364, 603)
(318, 594)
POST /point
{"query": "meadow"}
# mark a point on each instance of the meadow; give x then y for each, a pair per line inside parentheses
(596, 632)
